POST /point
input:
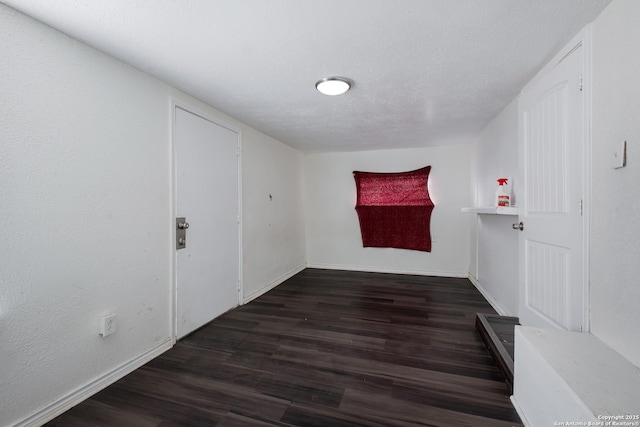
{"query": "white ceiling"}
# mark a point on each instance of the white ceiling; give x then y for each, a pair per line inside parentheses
(426, 72)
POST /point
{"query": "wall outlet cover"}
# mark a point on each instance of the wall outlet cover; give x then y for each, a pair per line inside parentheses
(108, 325)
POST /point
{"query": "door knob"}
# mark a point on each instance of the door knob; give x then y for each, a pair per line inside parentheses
(183, 225)
(182, 241)
(519, 226)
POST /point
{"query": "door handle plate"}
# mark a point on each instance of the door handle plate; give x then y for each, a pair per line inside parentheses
(181, 232)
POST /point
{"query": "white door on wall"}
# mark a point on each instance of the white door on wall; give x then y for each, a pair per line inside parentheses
(208, 268)
(551, 243)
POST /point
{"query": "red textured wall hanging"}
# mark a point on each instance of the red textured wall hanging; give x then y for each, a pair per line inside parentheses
(394, 209)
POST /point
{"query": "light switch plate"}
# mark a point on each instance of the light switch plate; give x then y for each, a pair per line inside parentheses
(619, 155)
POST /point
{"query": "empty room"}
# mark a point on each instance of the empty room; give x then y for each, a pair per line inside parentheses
(336, 213)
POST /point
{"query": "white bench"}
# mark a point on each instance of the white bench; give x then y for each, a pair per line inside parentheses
(571, 378)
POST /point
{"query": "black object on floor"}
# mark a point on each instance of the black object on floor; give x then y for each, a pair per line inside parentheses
(497, 332)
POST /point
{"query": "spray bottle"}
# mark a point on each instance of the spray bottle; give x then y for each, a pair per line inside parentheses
(502, 197)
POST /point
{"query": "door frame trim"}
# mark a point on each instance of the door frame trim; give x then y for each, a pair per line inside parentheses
(201, 112)
(583, 38)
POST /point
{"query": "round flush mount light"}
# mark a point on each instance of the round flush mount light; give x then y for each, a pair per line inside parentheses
(333, 85)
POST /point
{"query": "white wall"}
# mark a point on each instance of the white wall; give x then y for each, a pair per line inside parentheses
(85, 200)
(85, 208)
(496, 155)
(494, 255)
(333, 230)
(615, 198)
(274, 227)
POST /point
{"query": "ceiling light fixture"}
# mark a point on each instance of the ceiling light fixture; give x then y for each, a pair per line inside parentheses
(333, 85)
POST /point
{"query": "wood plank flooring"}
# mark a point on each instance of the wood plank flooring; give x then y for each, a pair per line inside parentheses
(325, 348)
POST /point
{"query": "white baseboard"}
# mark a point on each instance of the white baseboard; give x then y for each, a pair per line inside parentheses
(497, 307)
(266, 288)
(376, 269)
(58, 407)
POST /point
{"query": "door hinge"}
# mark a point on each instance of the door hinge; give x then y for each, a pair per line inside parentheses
(238, 218)
(580, 83)
(581, 207)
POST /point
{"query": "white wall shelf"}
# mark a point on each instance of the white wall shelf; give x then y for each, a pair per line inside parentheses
(493, 210)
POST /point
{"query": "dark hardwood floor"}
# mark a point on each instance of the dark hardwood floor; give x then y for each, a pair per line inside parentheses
(325, 348)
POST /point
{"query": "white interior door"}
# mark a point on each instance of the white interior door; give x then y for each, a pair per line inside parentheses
(208, 268)
(552, 117)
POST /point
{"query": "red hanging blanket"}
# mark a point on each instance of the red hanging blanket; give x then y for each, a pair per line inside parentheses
(394, 209)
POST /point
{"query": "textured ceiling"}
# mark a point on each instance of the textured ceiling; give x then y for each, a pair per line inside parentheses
(426, 72)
